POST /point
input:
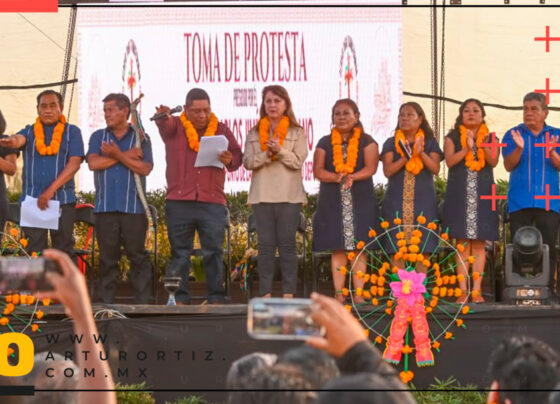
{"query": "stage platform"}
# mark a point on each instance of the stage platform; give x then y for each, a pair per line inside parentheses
(190, 348)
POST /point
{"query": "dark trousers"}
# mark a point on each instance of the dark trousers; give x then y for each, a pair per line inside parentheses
(208, 219)
(62, 239)
(547, 222)
(115, 229)
(276, 228)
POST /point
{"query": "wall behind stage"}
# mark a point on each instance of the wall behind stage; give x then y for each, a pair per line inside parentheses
(319, 55)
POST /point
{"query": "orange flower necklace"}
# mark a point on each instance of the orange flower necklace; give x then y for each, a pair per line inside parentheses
(279, 133)
(39, 132)
(415, 164)
(192, 135)
(351, 151)
(470, 162)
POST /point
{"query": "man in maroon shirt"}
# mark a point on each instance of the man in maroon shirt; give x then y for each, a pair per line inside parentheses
(195, 195)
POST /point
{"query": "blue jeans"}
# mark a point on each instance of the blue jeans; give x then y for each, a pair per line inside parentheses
(183, 218)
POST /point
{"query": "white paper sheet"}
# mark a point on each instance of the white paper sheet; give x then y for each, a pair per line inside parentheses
(210, 148)
(32, 216)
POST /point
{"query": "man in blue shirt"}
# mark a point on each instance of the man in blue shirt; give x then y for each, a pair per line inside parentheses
(534, 166)
(8, 166)
(120, 217)
(52, 153)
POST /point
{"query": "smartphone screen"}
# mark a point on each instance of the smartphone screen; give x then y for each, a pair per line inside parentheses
(286, 319)
(23, 274)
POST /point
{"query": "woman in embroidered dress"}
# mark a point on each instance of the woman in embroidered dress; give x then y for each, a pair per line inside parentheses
(345, 162)
(470, 219)
(275, 150)
(410, 189)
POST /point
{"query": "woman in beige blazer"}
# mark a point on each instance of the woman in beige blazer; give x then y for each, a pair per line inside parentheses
(275, 150)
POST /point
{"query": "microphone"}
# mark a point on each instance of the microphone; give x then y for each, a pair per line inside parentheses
(405, 149)
(178, 108)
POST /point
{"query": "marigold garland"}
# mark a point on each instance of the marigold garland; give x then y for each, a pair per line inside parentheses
(279, 133)
(191, 133)
(415, 164)
(39, 132)
(351, 151)
(470, 162)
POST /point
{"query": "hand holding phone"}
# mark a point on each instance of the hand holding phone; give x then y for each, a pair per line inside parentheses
(343, 330)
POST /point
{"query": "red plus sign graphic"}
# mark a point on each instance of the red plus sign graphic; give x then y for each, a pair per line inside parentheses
(547, 91)
(494, 197)
(547, 38)
(548, 144)
(547, 197)
(493, 144)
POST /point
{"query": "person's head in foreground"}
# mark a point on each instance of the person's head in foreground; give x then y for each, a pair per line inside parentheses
(317, 366)
(288, 382)
(523, 363)
(245, 366)
(364, 388)
(51, 371)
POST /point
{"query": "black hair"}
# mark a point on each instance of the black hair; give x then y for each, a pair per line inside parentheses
(196, 94)
(51, 92)
(365, 388)
(459, 119)
(121, 100)
(353, 106)
(317, 366)
(2, 123)
(243, 367)
(524, 363)
(424, 125)
(288, 383)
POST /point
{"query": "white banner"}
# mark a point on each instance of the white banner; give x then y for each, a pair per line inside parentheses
(319, 55)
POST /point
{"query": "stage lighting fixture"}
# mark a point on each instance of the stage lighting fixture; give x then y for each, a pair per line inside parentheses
(527, 270)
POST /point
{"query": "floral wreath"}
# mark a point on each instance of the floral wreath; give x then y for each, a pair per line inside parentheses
(415, 164)
(192, 134)
(56, 140)
(470, 162)
(402, 305)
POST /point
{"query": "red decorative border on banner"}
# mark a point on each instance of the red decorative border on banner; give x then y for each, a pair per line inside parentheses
(28, 6)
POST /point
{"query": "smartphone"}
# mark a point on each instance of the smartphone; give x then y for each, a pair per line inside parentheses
(25, 274)
(282, 319)
(405, 148)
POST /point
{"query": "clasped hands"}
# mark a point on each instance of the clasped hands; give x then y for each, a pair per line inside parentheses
(347, 179)
(418, 146)
(273, 147)
(471, 138)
